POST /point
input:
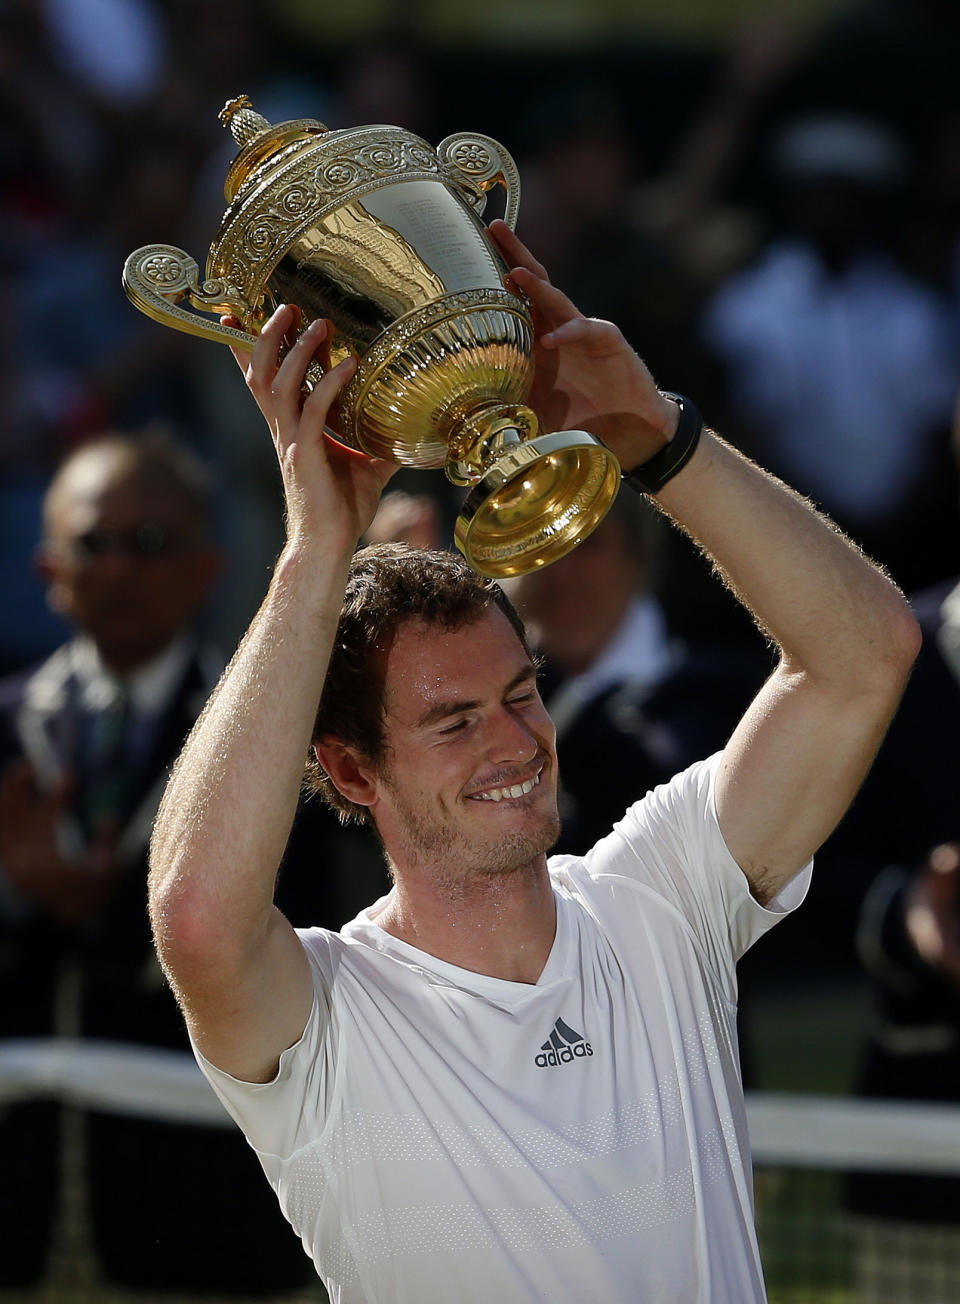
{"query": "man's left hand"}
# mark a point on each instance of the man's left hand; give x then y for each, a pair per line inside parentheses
(587, 375)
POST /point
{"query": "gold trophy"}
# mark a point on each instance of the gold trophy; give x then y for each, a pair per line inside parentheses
(380, 233)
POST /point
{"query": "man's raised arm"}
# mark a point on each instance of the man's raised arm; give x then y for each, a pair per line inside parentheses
(236, 964)
(846, 641)
(845, 635)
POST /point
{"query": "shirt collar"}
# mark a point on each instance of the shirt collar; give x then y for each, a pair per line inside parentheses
(148, 689)
(638, 652)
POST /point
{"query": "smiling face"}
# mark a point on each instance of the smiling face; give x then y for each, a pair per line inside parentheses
(468, 783)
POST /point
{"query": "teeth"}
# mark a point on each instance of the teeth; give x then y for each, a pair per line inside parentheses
(518, 790)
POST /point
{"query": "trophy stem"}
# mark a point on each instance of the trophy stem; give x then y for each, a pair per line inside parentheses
(484, 435)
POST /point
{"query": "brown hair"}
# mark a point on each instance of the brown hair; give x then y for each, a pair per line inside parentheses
(389, 583)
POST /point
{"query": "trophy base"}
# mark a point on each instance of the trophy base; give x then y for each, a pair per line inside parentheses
(536, 503)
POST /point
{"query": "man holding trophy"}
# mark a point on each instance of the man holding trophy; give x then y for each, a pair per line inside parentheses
(513, 1078)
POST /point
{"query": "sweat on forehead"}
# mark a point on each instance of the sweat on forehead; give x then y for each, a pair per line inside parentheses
(428, 651)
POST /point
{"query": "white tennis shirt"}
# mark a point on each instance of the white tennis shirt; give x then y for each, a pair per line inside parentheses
(437, 1135)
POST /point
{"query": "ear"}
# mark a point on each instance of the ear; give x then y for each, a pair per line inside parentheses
(43, 563)
(47, 568)
(351, 773)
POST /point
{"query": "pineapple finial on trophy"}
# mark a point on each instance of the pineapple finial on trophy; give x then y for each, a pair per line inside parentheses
(244, 122)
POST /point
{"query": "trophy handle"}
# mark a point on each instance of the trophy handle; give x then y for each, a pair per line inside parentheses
(482, 162)
(157, 277)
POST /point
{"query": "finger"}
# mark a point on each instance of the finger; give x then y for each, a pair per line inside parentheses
(514, 251)
(322, 354)
(324, 393)
(286, 390)
(260, 366)
(241, 353)
(582, 331)
(552, 304)
(296, 321)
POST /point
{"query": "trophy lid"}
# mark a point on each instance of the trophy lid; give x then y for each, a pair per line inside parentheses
(260, 141)
(290, 177)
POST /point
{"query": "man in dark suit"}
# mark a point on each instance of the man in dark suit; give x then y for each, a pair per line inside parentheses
(86, 742)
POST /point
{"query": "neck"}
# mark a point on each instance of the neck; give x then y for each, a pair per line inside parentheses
(499, 925)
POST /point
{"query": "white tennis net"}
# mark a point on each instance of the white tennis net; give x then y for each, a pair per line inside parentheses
(816, 1248)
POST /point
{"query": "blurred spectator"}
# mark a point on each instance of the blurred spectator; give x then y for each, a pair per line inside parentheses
(908, 1226)
(616, 683)
(842, 369)
(86, 741)
(890, 59)
(689, 203)
(412, 518)
(116, 49)
(890, 878)
(579, 173)
(915, 773)
(388, 82)
(104, 143)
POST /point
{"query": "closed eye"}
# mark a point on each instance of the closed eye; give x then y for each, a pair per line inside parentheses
(453, 728)
(522, 699)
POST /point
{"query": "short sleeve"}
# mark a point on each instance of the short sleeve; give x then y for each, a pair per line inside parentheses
(672, 844)
(280, 1116)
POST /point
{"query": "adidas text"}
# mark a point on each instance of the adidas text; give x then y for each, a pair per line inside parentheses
(551, 1058)
(563, 1046)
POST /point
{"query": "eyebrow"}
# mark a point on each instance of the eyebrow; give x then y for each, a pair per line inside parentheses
(441, 710)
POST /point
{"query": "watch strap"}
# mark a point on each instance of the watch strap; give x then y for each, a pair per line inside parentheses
(650, 476)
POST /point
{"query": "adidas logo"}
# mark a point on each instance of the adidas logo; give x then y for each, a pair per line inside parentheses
(563, 1046)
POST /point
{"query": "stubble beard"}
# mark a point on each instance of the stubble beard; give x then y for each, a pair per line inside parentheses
(461, 860)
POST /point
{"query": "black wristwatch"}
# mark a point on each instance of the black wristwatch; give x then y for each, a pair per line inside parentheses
(649, 477)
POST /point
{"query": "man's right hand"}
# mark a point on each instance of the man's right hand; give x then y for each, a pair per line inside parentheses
(332, 492)
(70, 890)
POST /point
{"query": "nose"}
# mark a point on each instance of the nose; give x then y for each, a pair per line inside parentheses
(113, 568)
(511, 741)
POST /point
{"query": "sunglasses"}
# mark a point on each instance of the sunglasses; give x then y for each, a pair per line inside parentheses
(145, 541)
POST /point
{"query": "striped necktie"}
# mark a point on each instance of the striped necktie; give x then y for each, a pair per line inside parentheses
(105, 773)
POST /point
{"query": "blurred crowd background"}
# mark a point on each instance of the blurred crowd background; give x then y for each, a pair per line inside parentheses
(767, 202)
(669, 170)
